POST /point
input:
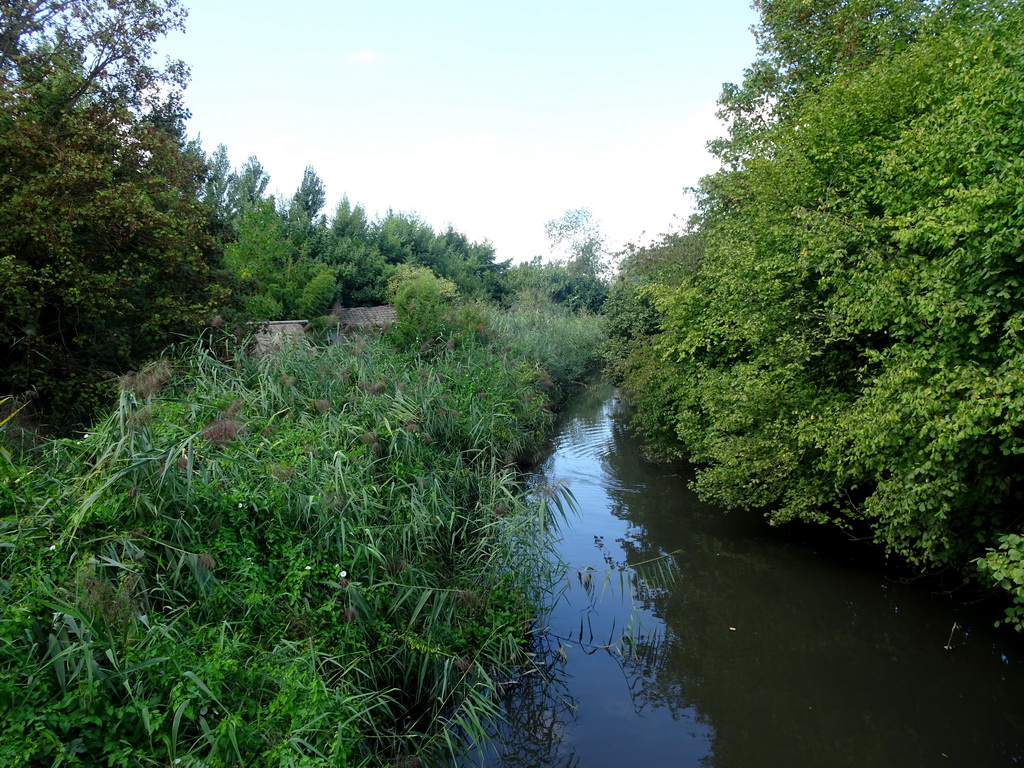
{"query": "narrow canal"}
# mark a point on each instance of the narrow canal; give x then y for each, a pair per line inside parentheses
(768, 648)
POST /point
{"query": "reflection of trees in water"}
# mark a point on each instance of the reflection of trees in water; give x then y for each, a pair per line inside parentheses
(824, 666)
(537, 707)
(635, 639)
(801, 655)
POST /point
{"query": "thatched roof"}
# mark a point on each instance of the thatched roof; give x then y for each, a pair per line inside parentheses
(352, 318)
(272, 330)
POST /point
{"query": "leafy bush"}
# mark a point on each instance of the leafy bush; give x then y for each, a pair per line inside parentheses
(849, 348)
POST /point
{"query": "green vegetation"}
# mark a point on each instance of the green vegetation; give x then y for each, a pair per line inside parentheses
(578, 278)
(321, 556)
(838, 339)
(118, 237)
(292, 262)
(104, 250)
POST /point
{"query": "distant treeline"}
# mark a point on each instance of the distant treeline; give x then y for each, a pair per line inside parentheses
(839, 336)
(119, 236)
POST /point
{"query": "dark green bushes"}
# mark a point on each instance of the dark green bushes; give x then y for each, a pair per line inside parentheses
(848, 348)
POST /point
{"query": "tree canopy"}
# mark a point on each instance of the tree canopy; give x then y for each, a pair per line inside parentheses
(105, 249)
(848, 347)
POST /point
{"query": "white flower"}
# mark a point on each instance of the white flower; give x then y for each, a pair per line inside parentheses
(344, 574)
(239, 505)
(309, 567)
(53, 547)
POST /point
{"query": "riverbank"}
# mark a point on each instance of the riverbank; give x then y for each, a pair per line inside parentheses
(773, 646)
(321, 556)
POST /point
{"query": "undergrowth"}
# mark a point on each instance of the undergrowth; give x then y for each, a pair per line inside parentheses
(321, 556)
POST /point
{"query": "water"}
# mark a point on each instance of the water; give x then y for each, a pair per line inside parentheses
(770, 647)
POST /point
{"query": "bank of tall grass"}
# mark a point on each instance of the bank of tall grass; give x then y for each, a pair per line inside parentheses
(321, 556)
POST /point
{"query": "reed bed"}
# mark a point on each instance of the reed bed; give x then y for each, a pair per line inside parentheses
(320, 556)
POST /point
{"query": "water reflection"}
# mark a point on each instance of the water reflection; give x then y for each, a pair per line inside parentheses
(765, 650)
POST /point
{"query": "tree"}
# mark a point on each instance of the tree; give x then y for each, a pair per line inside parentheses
(578, 239)
(310, 197)
(350, 222)
(247, 186)
(802, 46)
(423, 303)
(261, 258)
(108, 45)
(577, 277)
(217, 187)
(849, 348)
(106, 252)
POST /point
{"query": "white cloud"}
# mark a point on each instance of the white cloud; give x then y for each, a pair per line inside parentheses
(365, 56)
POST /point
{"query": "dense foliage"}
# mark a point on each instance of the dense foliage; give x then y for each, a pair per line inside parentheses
(104, 250)
(293, 262)
(848, 346)
(320, 556)
(576, 277)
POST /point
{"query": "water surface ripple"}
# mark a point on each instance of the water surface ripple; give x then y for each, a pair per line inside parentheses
(770, 648)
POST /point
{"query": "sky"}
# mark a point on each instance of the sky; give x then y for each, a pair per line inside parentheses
(492, 117)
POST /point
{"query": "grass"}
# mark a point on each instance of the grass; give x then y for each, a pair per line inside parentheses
(321, 556)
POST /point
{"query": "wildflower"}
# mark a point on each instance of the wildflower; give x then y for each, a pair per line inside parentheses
(309, 567)
(343, 574)
(53, 547)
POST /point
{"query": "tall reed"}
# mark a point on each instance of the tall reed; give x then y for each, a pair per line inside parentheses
(321, 556)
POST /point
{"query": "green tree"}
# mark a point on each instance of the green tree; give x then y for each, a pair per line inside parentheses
(319, 293)
(350, 222)
(216, 187)
(98, 52)
(849, 347)
(802, 46)
(106, 252)
(247, 186)
(423, 303)
(577, 275)
(311, 195)
(261, 258)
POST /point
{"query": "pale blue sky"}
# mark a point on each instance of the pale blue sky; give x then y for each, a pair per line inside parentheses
(494, 117)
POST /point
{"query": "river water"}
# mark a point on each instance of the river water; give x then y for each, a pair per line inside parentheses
(746, 646)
